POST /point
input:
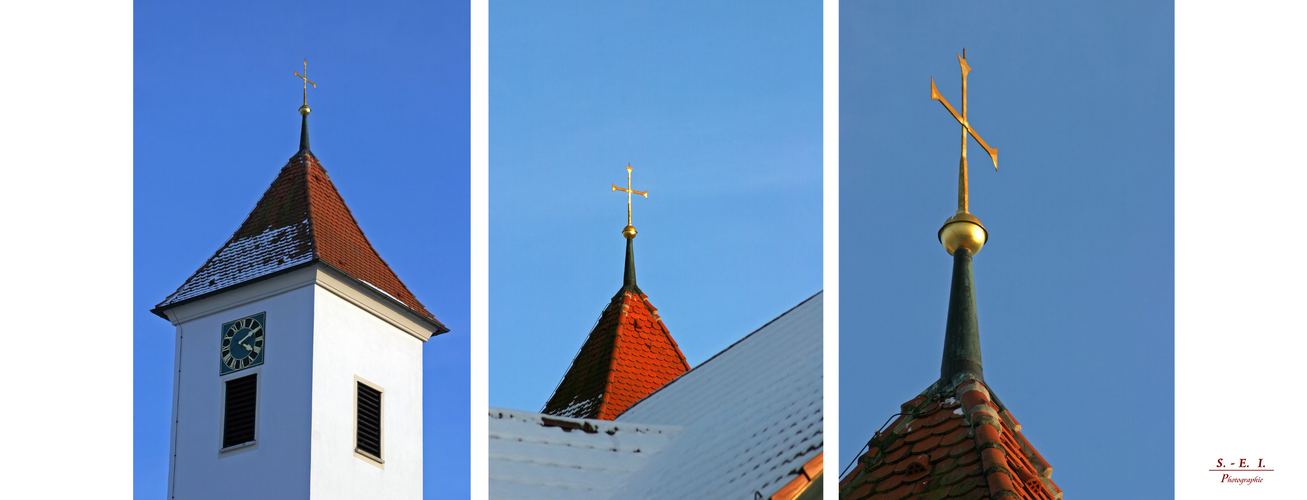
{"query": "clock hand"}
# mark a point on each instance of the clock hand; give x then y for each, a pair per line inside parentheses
(246, 337)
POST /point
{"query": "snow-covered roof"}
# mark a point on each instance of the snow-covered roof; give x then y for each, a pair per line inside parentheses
(746, 421)
(245, 258)
(546, 457)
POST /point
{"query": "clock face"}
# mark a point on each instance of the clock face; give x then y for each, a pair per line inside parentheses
(242, 343)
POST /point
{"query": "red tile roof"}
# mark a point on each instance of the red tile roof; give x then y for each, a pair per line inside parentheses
(810, 472)
(629, 355)
(300, 219)
(965, 446)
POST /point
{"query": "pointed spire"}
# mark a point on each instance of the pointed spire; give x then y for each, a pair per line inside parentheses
(628, 277)
(628, 232)
(962, 236)
(962, 331)
(961, 396)
(304, 128)
(304, 109)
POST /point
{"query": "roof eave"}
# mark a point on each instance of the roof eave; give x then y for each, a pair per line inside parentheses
(437, 327)
(160, 309)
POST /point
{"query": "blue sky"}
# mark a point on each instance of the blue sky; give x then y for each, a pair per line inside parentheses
(718, 110)
(215, 120)
(1075, 287)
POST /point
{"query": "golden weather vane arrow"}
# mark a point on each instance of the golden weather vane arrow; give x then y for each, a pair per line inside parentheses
(304, 109)
(963, 230)
(629, 230)
(963, 198)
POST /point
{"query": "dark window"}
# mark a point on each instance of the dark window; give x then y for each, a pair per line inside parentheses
(368, 439)
(238, 419)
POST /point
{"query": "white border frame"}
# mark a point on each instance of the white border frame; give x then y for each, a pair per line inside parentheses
(88, 169)
(1239, 174)
(479, 320)
(830, 85)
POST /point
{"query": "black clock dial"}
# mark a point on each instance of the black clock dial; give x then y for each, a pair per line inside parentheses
(242, 343)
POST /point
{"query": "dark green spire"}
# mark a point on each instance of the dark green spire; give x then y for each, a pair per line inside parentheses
(962, 332)
(304, 109)
(304, 129)
(628, 277)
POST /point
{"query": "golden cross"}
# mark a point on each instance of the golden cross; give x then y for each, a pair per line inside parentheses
(629, 192)
(307, 82)
(964, 201)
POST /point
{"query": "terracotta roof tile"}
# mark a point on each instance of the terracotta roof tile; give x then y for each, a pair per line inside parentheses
(810, 472)
(628, 355)
(973, 449)
(300, 219)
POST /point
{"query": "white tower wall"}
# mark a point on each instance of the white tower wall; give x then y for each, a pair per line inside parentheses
(277, 464)
(352, 344)
(324, 331)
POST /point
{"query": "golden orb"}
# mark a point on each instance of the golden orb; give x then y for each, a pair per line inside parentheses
(963, 231)
(304, 110)
(628, 232)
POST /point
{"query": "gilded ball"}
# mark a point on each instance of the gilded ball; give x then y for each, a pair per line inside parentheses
(304, 110)
(628, 232)
(963, 233)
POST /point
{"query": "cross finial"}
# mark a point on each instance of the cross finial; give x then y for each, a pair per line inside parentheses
(629, 230)
(963, 230)
(963, 194)
(304, 109)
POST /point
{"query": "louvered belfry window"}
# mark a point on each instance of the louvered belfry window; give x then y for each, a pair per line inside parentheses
(239, 410)
(368, 438)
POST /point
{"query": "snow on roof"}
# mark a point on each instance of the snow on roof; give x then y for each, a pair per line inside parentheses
(246, 258)
(546, 457)
(752, 415)
(744, 421)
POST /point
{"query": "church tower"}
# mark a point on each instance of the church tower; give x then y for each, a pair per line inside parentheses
(298, 369)
(629, 353)
(955, 439)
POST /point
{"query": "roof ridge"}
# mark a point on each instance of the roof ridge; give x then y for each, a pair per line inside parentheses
(303, 156)
(644, 299)
(623, 310)
(354, 223)
(989, 427)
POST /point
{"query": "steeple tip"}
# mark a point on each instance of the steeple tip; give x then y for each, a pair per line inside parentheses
(628, 232)
(304, 109)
